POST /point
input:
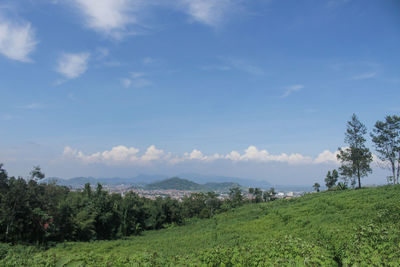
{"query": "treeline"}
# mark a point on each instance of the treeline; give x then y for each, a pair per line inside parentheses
(356, 158)
(33, 212)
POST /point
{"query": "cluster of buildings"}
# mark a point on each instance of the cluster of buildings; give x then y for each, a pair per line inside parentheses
(178, 194)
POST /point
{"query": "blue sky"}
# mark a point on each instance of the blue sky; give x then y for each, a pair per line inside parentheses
(256, 89)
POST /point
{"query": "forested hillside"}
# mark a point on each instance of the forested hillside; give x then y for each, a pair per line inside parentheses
(177, 183)
(332, 228)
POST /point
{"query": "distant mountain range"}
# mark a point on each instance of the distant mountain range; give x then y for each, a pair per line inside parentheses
(183, 184)
(143, 179)
(201, 182)
(198, 178)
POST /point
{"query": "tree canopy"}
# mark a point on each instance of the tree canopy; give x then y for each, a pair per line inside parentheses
(355, 159)
(386, 139)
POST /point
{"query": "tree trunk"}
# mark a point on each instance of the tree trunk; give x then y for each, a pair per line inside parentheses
(359, 179)
(398, 169)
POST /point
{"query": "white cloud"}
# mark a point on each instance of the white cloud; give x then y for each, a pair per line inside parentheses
(136, 75)
(136, 80)
(291, 89)
(121, 155)
(253, 154)
(209, 12)
(117, 155)
(72, 65)
(364, 76)
(110, 17)
(152, 153)
(234, 156)
(117, 18)
(196, 154)
(327, 157)
(17, 40)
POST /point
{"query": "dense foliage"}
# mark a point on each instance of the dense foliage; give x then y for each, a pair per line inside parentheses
(32, 212)
(386, 138)
(331, 228)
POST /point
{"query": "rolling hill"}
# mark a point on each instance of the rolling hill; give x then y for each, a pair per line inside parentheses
(183, 184)
(334, 228)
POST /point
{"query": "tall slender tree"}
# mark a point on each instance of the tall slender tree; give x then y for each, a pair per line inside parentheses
(356, 158)
(386, 138)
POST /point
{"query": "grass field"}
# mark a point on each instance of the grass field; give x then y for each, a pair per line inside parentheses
(351, 227)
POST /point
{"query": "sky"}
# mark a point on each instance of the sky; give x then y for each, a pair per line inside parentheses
(257, 89)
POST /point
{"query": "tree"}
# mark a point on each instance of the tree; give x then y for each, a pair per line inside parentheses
(331, 179)
(386, 138)
(235, 196)
(36, 174)
(356, 158)
(256, 194)
(269, 195)
(316, 187)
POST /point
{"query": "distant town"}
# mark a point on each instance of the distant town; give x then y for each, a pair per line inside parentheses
(179, 194)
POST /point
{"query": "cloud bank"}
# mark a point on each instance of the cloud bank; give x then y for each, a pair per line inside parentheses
(122, 155)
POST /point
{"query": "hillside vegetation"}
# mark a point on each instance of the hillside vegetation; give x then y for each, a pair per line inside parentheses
(349, 227)
(177, 183)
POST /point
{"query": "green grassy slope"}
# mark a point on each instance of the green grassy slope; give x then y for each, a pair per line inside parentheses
(353, 227)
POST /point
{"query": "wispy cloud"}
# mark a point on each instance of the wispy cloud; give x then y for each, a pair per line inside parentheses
(209, 12)
(32, 106)
(6, 117)
(364, 76)
(111, 17)
(125, 82)
(73, 65)
(136, 75)
(291, 89)
(245, 66)
(102, 52)
(148, 61)
(228, 64)
(136, 80)
(72, 97)
(118, 18)
(17, 39)
(356, 65)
